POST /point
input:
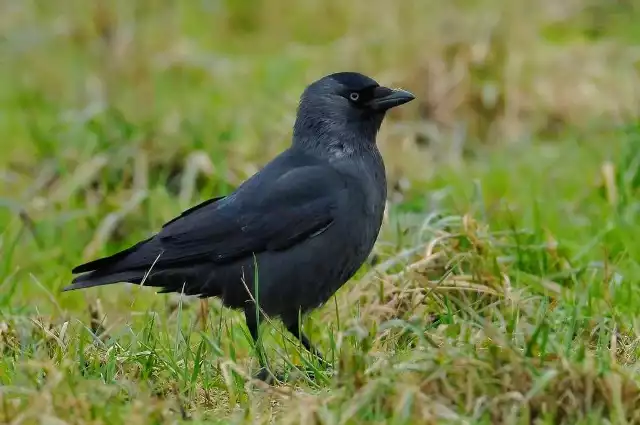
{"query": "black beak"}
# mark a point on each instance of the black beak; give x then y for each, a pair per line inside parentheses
(385, 98)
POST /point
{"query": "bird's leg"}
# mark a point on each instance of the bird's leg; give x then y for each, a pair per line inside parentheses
(252, 318)
(296, 329)
(204, 312)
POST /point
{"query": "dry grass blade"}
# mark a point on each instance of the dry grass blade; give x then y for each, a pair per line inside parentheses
(110, 222)
(97, 319)
(81, 178)
(196, 163)
(609, 176)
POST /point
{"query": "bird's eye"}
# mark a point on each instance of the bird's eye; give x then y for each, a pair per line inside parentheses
(354, 96)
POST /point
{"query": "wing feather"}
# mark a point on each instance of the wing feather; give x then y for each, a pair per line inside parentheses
(300, 204)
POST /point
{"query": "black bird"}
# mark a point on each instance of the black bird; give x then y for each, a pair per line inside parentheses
(307, 220)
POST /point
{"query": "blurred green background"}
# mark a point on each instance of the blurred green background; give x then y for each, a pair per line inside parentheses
(117, 115)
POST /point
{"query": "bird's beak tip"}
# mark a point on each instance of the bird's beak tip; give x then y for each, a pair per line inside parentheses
(390, 98)
(404, 93)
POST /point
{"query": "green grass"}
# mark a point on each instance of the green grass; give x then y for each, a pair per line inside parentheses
(503, 287)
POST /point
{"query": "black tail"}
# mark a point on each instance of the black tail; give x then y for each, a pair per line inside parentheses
(95, 278)
(138, 263)
(108, 261)
(123, 266)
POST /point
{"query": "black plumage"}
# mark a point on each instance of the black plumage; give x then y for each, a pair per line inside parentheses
(307, 220)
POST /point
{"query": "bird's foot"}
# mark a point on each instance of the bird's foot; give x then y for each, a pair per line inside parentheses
(265, 375)
(312, 374)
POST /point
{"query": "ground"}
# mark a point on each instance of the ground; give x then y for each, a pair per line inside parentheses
(504, 284)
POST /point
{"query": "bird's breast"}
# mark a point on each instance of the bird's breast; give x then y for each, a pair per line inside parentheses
(371, 185)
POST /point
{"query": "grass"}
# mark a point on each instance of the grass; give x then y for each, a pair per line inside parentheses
(503, 287)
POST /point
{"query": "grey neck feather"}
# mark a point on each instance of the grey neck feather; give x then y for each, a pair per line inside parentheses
(334, 134)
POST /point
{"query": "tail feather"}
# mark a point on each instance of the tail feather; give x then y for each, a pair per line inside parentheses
(108, 261)
(135, 264)
(170, 280)
(113, 269)
(92, 279)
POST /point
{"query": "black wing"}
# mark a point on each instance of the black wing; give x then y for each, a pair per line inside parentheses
(299, 204)
(193, 209)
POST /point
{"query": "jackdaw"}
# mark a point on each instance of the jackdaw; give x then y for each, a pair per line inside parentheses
(292, 234)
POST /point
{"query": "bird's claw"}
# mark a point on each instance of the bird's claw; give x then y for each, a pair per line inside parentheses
(265, 375)
(311, 374)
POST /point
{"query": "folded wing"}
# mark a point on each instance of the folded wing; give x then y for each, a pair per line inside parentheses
(298, 205)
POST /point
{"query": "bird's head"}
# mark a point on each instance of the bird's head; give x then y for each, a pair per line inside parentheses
(345, 105)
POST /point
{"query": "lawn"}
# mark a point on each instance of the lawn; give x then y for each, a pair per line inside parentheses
(503, 288)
